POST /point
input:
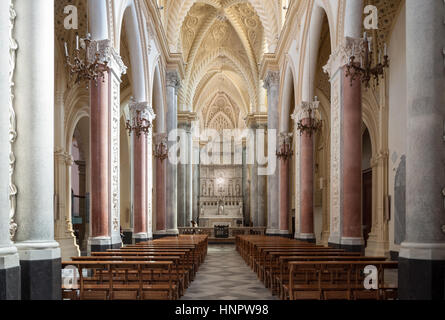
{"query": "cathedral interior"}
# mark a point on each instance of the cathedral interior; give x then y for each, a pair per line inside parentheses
(197, 131)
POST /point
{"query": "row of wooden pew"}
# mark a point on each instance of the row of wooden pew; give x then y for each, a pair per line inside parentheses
(296, 270)
(161, 269)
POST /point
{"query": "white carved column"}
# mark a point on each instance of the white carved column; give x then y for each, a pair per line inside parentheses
(272, 83)
(64, 233)
(173, 84)
(34, 151)
(9, 259)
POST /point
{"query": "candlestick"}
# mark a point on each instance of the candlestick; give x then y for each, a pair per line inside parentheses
(66, 50)
(77, 42)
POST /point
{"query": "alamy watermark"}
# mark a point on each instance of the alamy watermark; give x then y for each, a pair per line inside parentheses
(226, 148)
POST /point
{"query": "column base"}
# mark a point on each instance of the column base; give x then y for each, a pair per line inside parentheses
(68, 248)
(309, 240)
(376, 248)
(140, 237)
(347, 247)
(306, 237)
(158, 234)
(421, 271)
(101, 244)
(351, 244)
(10, 287)
(172, 232)
(421, 279)
(270, 231)
(40, 271)
(278, 233)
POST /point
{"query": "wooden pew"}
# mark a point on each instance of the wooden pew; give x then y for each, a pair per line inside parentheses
(112, 280)
(335, 280)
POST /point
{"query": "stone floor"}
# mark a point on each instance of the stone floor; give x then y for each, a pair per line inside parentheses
(225, 276)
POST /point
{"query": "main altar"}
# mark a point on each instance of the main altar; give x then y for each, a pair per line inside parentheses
(221, 196)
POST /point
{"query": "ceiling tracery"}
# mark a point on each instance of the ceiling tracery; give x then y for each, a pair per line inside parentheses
(220, 34)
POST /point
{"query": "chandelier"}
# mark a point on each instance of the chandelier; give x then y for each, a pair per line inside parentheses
(139, 120)
(285, 150)
(364, 67)
(161, 151)
(309, 121)
(80, 67)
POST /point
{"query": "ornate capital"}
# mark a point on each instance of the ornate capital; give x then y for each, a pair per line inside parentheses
(107, 54)
(160, 147)
(341, 55)
(285, 146)
(172, 79)
(272, 79)
(285, 138)
(305, 109)
(145, 110)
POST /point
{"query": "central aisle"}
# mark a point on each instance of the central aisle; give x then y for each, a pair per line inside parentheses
(225, 276)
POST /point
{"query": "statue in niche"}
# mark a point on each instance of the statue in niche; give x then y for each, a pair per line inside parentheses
(237, 188)
(204, 189)
(210, 189)
(230, 188)
(220, 207)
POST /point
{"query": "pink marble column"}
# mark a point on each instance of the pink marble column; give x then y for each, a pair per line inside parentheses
(307, 184)
(352, 159)
(140, 186)
(99, 124)
(284, 194)
(161, 169)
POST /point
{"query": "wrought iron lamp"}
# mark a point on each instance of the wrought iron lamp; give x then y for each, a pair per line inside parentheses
(285, 150)
(139, 122)
(364, 68)
(80, 67)
(309, 122)
(161, 151)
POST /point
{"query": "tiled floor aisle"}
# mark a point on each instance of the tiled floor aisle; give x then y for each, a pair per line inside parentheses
(225, 276)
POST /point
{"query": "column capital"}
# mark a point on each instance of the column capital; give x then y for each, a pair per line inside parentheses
(187, 117)
(304, 109)
(144, 108)
(172, 79)
(285, 138)
(107, 54)
(272, 79)
(254, 119)
(341, 55)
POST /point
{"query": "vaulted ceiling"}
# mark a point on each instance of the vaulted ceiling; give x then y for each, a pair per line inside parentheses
(222, 42)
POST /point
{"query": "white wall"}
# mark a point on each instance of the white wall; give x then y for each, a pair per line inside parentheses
(397, 109)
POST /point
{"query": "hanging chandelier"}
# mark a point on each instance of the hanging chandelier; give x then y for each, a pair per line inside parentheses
(79, 65)
(309, 121)
(139, 122)
(364, 68)
(285, 150)
(161, 151)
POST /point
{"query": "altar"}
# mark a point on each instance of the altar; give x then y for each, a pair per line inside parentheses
(221, 198)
